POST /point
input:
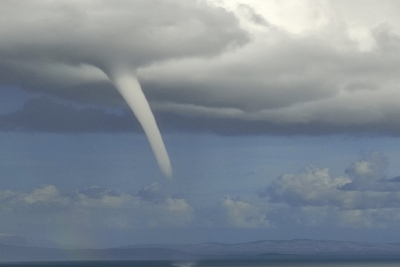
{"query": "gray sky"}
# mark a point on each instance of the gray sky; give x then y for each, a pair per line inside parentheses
(280, 119)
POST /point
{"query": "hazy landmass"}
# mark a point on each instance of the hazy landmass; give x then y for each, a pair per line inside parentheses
(258, 250)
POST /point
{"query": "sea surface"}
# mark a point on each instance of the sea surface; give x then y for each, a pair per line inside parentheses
(333, 263)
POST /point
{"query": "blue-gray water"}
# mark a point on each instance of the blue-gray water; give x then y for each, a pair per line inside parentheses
(372, 263)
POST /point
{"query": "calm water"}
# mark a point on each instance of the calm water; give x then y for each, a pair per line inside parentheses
(205, 264)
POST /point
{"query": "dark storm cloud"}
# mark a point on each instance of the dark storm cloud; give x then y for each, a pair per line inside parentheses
(56, 47)
(260, 76)
(252, 15)
(291, 74)
(386, 39)
(201, 71)
(234, 126)
(46, 114)
(285, 83)
(99, 32)
(395, 179)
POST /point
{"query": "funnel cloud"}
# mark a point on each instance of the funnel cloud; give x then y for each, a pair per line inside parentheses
(52, 50)
(129, 87)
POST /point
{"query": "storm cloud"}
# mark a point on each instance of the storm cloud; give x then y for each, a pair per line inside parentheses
(101, 33)
(44, 114)
(208, 66)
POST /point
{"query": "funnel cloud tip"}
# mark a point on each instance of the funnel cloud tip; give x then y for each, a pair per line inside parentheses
(129, 87)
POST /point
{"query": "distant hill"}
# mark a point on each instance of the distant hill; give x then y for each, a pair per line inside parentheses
(259, 250)
(23, 253)
(295, 247)
(7, 239)
(13, 240)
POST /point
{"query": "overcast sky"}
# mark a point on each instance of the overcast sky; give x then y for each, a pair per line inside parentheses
(280, 117)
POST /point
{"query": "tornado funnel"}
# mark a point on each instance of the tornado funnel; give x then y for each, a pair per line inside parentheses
(129, 87)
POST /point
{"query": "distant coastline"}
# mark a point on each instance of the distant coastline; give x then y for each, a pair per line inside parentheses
(265, 250)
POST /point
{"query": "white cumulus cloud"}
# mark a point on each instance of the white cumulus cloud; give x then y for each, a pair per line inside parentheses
(362, 198)
(98, 207)
(245, 215)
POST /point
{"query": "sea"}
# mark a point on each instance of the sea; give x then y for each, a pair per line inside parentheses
(210, 263)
